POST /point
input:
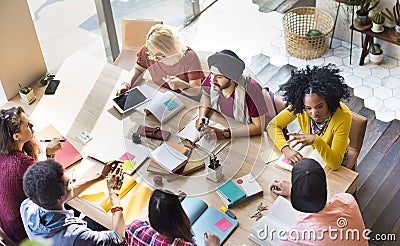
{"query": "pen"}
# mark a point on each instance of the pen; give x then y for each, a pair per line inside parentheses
(73, 175)
(94, 158)
(48, 140)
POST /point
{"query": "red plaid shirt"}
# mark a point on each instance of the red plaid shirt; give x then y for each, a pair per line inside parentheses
(140, 233)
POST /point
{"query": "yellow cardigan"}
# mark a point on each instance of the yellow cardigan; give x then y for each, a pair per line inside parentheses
(331, 146)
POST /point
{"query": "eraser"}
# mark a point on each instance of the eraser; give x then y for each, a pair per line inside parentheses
(228, 212)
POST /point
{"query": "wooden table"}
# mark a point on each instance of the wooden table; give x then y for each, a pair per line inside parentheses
(387, 35)
(83, 102)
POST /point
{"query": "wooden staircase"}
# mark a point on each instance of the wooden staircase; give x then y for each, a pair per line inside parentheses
(378, 163)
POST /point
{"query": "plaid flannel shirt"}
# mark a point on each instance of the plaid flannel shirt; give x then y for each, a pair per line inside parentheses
(141, 233)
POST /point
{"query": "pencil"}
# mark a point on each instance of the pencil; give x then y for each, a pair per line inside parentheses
(48, 140)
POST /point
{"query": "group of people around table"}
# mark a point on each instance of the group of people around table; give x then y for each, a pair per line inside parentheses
(33, 194)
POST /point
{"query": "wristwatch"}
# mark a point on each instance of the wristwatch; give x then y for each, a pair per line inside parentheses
(227, 133)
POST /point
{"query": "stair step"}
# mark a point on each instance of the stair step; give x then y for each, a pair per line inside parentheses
(367, 113)
(282, 6)
(258, 63)
(375, 129)
(355, 104)
(266, 74)
(269, 5)
(280, 77)
(285, 6)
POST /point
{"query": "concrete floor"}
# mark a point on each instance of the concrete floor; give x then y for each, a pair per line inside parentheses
(66, 26)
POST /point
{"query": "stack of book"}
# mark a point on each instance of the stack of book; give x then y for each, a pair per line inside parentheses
(242, 189)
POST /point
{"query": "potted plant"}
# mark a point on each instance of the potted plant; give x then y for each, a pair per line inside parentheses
(363, 11)
(26, 94)
(375, 53)
(214, 168)
(377, 22)
(394, 16)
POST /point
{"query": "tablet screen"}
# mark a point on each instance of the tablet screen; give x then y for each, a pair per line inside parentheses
(130, 99)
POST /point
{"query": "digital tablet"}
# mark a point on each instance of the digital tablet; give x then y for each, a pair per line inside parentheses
(129, 100)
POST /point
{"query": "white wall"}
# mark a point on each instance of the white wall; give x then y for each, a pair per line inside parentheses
(342, 30)
(21, 59)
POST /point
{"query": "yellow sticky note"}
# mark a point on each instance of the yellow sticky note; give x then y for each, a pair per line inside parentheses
(268, 156)
(128, 165)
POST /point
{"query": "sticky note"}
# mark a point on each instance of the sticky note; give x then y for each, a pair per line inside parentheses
(223, 224)
(268, 156)
(127, 156)
(286, 161)
(128, 165)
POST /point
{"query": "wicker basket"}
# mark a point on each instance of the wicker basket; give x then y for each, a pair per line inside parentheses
(297, 23)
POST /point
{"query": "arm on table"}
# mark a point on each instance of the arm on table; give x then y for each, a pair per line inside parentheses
(204, 109)
(256, 127)
(80, 187)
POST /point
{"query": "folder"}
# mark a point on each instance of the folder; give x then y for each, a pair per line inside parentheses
(68, 155)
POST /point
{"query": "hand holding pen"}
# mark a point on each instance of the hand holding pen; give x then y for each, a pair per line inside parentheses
(53, 146)
(201, 122)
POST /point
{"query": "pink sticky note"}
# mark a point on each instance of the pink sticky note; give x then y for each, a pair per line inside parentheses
(127, 157)
(286, 161)
(223, 224)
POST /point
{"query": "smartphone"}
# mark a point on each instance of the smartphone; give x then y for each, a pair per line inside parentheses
(52, 87)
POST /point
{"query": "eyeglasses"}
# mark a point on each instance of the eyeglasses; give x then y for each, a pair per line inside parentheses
(155, 57)
(6, 116)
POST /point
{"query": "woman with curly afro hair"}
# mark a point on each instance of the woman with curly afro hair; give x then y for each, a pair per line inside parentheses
(313, 97)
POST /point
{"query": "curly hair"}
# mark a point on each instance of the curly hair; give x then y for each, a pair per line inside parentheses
(167, 216)
(10, 123)
(323, 80)
(44, 184)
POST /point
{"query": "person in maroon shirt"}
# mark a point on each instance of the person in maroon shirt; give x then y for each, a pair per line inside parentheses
(18, 151)
(227, 91)
(170, 64)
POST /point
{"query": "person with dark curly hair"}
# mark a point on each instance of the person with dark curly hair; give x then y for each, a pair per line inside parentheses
(44, 215)
(18, 151)
(313, 96)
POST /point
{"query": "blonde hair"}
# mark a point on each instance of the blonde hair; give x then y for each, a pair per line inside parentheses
(164, 40)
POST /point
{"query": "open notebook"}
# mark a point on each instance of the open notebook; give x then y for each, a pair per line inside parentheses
(67, 156)
(204, 218)
(190, 133)
(281, 216)
(134, 197)
(170, 156)
(163, 105)
(307, 152)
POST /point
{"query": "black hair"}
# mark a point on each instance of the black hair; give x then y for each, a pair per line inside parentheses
(322, 80)
(10, 123)
(44, 183)
(167, 216)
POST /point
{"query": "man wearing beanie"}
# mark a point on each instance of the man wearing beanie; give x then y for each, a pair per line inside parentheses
(227, 91)
(308, 194)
